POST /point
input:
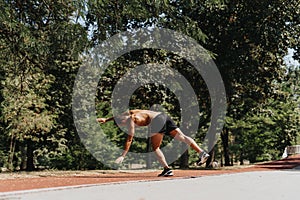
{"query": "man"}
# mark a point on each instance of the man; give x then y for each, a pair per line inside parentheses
(160, 124)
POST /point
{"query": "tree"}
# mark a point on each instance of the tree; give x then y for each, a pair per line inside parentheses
(265, 131)
(109, 20)
(41, 45)
(250, 39)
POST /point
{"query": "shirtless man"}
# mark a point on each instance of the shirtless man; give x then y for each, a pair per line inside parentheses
(160, 124)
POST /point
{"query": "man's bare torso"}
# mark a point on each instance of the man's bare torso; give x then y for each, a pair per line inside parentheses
(142, 117)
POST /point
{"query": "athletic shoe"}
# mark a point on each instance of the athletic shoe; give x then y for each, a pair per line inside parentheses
(166, 172)
(203, 156)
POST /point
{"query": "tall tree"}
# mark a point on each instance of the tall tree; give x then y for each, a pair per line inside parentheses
(107, 18)
(40, 46)
(265, 131)
(250, 40)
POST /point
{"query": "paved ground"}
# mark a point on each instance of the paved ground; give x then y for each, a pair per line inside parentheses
(274, 180)
(263, 185)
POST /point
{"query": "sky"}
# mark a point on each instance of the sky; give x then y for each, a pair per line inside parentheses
(289, 59)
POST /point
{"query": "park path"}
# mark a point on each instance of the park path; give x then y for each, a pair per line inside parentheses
(39, 181)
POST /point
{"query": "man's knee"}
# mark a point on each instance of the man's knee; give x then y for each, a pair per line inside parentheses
(155, 147)
(179, 136)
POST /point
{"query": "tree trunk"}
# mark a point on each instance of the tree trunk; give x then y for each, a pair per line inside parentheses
(29, 154)
(11, 154)
(184, 160)
(225, 143)
(241, 159)
(148, 155)
(210, 160)
(23, 157)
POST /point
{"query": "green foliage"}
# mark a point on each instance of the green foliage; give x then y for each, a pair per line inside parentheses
(40, 51)
(269, 127)
(249, 40)
(41, 43)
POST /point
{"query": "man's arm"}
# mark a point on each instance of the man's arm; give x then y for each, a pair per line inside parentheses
(129, 137)
(128, 142)
(104, 120)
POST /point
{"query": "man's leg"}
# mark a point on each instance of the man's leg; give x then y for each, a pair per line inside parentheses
(177, 134)
(156, 140)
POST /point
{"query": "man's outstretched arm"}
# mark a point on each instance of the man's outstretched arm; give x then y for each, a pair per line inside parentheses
(104, 120)
(127, 143)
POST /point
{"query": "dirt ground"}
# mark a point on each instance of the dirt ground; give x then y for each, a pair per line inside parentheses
(47, 179)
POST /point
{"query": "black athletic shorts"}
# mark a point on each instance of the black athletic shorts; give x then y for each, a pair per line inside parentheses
(162, 123)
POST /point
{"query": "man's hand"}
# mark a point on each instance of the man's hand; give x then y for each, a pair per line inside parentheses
(101, 120)
(119, 160)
